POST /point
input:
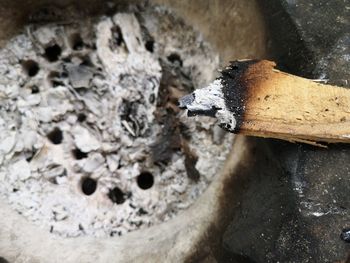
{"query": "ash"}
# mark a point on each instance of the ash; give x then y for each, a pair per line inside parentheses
(91, 139)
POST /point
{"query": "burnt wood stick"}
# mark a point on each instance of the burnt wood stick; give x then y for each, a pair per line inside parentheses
(253, 98)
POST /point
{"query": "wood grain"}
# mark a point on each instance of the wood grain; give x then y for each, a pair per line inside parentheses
(288, 107)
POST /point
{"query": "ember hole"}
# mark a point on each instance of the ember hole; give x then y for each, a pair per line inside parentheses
(79, 154)
(54, 77)
(81, 117)
(30, 67)
(117, 35)
(76, 42)
(35, 89)
(52, 53)
(56, 83)
(88, 186)
(116, 195)
(145, 180)
(55, 136)
(175, 59)
(86, 62)
(150, 45)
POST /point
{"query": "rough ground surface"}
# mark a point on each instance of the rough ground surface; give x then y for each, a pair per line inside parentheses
(91, 140)
(299, 213)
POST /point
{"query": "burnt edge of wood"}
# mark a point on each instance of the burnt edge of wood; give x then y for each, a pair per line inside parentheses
(235, 90)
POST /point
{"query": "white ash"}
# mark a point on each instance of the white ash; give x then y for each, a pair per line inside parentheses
(207, 99)
(78, 125)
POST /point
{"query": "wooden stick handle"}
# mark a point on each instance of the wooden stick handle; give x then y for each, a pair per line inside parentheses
(285, 106)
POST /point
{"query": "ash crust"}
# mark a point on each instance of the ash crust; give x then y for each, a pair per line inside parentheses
(91, 140)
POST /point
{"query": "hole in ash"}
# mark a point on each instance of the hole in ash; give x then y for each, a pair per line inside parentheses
(35, 89)
(175, 59)
(116, 195)
(117, 37)
(88, 185)
(30, 67)
(81, 117)
(145, 180)
(79, 154)
(55, 136)
(150, 45)
(53, 52)
(108, 105)
(55, 78)
(76, 42)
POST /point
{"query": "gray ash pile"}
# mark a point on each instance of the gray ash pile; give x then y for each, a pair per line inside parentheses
(91, 139)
